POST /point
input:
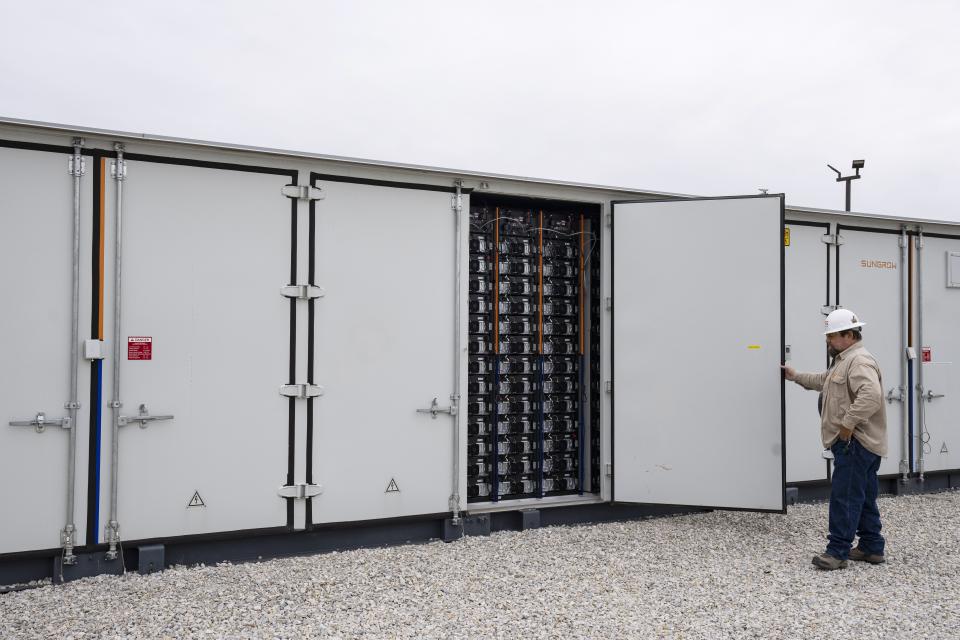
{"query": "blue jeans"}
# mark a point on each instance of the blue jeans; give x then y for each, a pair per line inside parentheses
(853, 500)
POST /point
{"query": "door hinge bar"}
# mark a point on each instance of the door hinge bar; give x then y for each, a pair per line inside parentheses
(300, 491)
(41, 422)
(77, 164)
(302, 291)
(435, 408)
(827, 309)
(143, 417)
(609, 386)
(303, 192)
(123, 170)
(609, 304)
(301, 391)
(832, 238)
(610, 219)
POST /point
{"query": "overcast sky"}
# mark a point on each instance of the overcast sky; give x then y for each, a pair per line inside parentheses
(708, 98)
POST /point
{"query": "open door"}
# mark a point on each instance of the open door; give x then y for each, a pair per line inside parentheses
(698, 410)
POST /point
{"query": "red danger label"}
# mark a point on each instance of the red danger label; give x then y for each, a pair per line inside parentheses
(926, 354)
(139, 348)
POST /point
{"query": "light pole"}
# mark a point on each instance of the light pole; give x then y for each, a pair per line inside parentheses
(857, 164)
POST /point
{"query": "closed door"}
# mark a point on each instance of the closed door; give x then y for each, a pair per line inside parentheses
(205, 343)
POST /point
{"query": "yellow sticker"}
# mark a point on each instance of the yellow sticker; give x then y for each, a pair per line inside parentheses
(753, 346)
(786, 236)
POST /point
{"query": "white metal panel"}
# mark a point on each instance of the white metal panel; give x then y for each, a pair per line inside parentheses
(697, 347)
(941, 319)
(384, 348)
(869, 284)
(205, 253)
(36, 249)
(805, 293)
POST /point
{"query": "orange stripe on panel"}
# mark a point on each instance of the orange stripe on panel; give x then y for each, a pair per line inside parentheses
(581, 284)
(100, 213)
(496, 284)
(540, 287)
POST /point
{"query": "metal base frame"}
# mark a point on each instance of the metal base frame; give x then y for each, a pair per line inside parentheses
(254, 546)
(819, 491)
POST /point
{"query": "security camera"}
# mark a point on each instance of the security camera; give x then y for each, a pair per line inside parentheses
(858, 164)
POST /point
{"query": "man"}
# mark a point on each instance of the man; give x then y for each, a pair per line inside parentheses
(853, 425)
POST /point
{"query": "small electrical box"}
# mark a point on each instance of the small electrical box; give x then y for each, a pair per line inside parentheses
(953, 269)
(93, 349)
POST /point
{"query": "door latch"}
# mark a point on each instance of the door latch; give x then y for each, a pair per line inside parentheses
(303, 192)
(301, 391)
(435, 408)
(300, 491)
(894, 395)
(930, 395)
(301, 291)
(143, 417)
(41, 422)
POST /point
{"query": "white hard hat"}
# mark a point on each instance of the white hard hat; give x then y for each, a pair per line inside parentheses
(841, 320)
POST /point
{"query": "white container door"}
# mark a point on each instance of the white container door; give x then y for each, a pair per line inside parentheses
(36, 260)
(384, 349)
(206, 339)
(698, 341)
(940, 356)
(806, 293)
(868, 281)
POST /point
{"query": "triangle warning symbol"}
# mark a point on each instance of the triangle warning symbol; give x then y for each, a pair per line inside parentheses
(392, 487)
(196, 500)
(943, 449)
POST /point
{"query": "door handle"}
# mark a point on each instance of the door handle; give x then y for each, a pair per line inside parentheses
(435, 408)
(143, 417)
(40, 422)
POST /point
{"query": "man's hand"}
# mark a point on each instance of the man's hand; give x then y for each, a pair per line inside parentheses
(846, 434)
(789, 372)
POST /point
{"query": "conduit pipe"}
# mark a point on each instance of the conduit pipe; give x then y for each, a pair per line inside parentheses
(904, 360)
(921, 427)
(72, 405)
(113, 527)
(457, 349)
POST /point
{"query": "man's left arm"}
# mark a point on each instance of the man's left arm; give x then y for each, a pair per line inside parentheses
(864, 381)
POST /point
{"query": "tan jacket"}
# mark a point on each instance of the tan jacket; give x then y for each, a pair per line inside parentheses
(852, 399)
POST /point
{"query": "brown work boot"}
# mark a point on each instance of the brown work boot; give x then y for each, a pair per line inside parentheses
(872, 558)
(829, 563)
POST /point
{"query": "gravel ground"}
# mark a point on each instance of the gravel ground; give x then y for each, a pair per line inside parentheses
(713, 575)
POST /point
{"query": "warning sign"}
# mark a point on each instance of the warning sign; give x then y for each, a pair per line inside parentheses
(786, 236)
(392, 487)
(926, 354)
(139, 348)
(196, 501)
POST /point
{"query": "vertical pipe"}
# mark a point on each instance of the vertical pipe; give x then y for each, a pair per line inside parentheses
(457, 360)
(73, 404)
(904, 343)
(113, 528)
(922, 410)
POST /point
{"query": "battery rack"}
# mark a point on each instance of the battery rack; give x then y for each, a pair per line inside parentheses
(530, 403)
